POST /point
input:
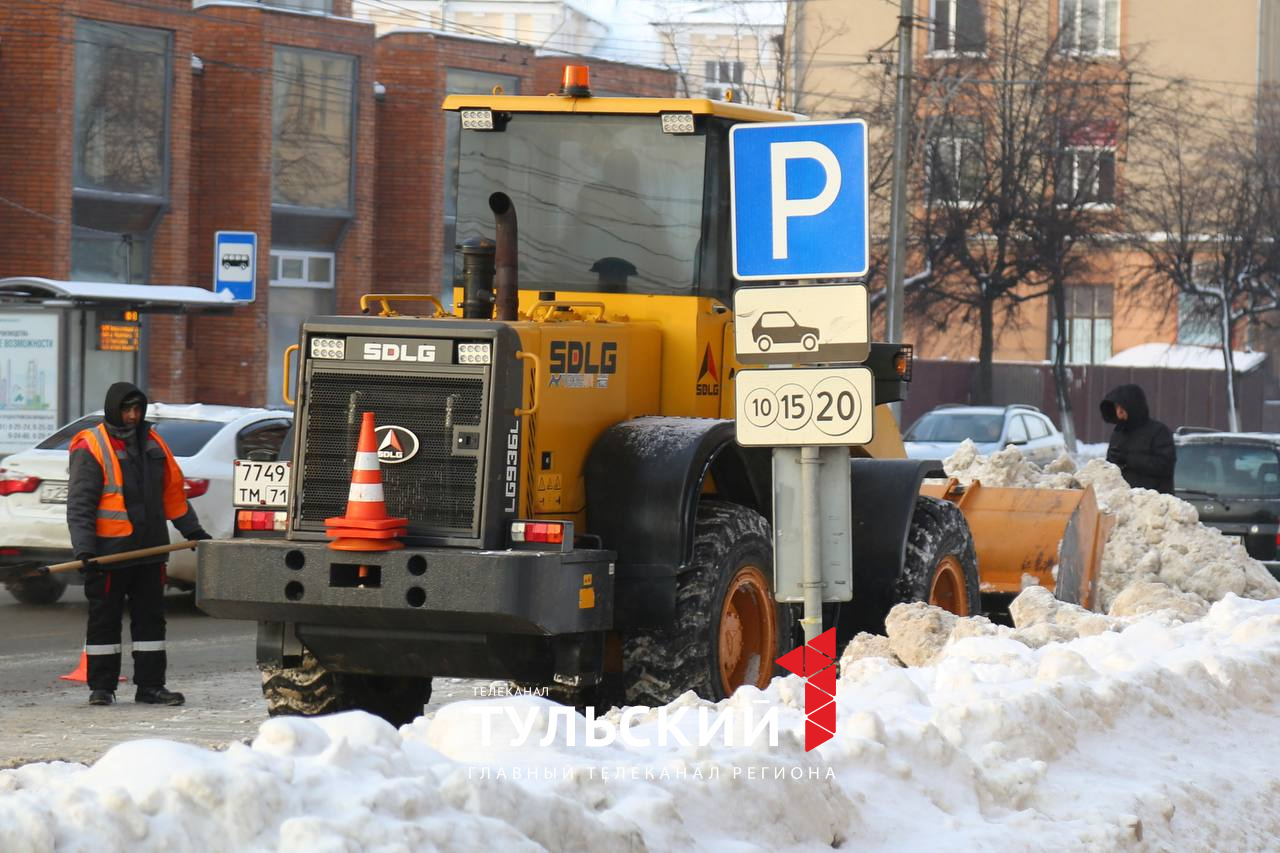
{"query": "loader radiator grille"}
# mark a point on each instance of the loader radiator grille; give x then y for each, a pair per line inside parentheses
(438, 491)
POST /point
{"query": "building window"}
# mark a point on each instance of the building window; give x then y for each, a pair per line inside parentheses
(1090, 26)
(313, 111)
(958, 27)
(1199, 321)
(723, 80)
(1088, 324)
(955, 163)
(301, 269)
(122, 108)
(1088, 176)
(120, 164)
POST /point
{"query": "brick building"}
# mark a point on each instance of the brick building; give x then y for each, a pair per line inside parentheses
(179, 119)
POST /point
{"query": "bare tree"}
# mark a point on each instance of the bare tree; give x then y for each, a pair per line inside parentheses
(1207, 217)
(1018, 137)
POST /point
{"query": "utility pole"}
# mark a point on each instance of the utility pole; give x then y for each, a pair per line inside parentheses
(796, 6)
(898, 204)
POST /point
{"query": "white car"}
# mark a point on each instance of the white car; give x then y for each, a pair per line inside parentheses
(206, 440)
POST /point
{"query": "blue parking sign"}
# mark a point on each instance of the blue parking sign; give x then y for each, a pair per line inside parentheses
(799, 199)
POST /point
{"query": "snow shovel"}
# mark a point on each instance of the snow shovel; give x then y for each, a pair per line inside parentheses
(8, 574)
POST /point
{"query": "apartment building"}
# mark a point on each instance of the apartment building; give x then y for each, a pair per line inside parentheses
(844, 64)
(132, 131)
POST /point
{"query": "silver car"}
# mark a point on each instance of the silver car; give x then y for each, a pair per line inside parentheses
(939, 432)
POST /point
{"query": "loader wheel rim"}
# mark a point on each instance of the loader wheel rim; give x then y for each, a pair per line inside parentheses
(748, 636)
(947, 589)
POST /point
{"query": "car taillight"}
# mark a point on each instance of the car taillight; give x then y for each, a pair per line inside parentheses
(253, 519)
(195, 487)
(12, 483)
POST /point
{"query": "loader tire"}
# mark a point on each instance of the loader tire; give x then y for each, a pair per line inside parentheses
(309, 690)
(728, 629)
(46, 589)
(939, 567)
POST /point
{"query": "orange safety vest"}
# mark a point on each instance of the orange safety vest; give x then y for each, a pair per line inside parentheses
(113, 516)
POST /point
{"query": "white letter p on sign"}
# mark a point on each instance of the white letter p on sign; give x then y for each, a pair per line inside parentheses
(785, 208)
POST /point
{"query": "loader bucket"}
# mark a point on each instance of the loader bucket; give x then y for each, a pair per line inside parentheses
(1054, 535)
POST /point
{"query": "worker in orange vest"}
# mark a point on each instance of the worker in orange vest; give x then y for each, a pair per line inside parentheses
(125, 486)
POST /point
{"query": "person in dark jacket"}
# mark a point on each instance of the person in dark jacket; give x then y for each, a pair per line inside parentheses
(1141, 447)
(125, 486)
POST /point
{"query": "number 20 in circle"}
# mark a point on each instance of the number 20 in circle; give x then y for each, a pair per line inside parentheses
(836, 405)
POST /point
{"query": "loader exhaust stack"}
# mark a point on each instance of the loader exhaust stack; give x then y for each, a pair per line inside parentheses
(507, 278)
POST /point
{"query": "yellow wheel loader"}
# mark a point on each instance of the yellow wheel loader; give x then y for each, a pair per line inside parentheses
(562, 446)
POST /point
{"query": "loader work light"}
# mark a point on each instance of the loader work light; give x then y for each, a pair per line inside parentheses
(474, 354)
(328, 348)
(477, 119)
(677, 123)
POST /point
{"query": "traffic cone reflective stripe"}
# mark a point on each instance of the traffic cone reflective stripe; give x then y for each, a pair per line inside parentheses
(366, 526)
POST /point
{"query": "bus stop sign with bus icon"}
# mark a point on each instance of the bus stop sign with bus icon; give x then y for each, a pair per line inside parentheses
(235, 264)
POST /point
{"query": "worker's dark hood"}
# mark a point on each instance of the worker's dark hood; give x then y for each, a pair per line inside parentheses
(114, 402)
(1134, 402)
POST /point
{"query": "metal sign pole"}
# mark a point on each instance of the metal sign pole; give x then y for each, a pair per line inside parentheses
(810, 460)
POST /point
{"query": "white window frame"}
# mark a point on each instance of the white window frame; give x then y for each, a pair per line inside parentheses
(1199, 323)
(279, 256)
(1076, 10)
(952, 18)
(956, 142)
(1072, 152)
(726, 75)
(1087, 343)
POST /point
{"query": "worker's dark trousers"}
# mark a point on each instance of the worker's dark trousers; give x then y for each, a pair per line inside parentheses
(107, 590)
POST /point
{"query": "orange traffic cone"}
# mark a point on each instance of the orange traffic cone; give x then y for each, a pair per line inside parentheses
(366, 526)
(81, 672)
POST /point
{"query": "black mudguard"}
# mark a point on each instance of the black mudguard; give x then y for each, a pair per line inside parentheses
(643, 479)
(884, 493)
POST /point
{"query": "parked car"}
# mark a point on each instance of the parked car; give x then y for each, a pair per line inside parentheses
(1233, 481)
(205, 439)
(939, 432)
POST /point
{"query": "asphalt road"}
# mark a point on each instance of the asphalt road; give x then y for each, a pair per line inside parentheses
(43, 718)
(211, 661)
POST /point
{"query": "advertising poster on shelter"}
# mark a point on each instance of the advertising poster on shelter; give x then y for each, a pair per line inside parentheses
(28, 378)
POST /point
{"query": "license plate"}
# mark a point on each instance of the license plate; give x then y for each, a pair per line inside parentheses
(53, 493)
(260, 483)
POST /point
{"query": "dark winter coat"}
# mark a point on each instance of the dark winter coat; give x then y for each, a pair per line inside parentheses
(1141, 446)
(142, 468)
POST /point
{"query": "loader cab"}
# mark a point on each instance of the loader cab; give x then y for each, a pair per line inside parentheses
(613, 195)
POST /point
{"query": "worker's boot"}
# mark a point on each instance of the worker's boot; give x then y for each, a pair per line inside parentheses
(158, 696)
(101, 697)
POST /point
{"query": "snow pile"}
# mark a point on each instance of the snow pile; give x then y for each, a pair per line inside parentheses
(1152, 736)
(1157, 538)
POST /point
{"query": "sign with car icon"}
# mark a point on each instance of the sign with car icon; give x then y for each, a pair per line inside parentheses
(802, 324)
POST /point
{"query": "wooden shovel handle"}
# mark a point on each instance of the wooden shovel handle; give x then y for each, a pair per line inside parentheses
(116, 558)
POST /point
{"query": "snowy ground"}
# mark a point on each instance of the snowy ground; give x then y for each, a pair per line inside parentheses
(1152, 727)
